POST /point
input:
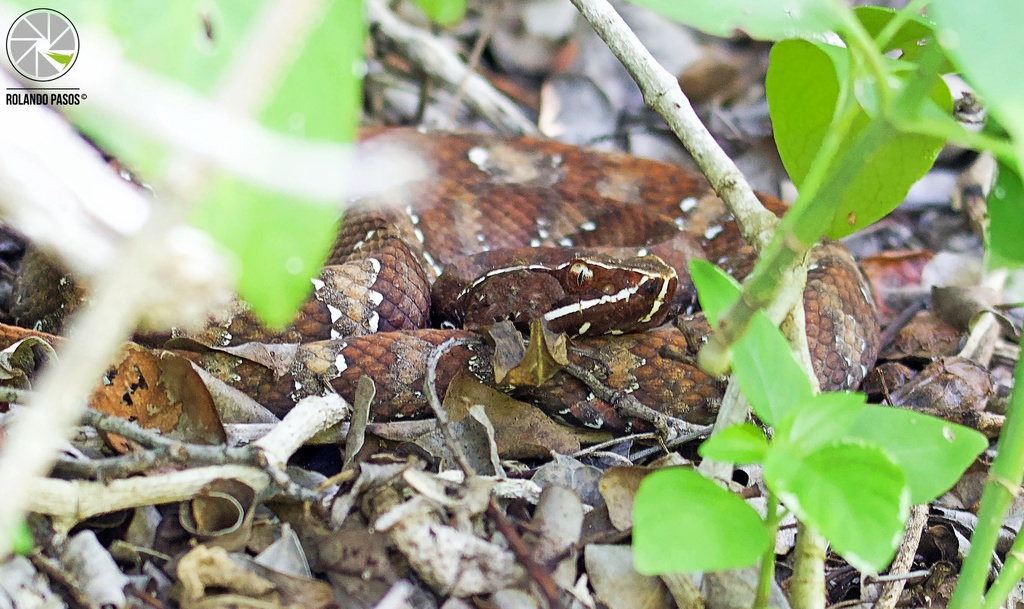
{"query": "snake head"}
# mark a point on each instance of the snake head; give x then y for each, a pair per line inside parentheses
(605, 295)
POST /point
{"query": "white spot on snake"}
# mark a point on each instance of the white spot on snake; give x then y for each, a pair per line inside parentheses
(478, 155)
(713, 231)
(680, 223)
(590, 396)
(375, 265)
(335, 335)
(340, 363)
(335, 313)
(298, 386)
(813, 266)
(373, 323)
(318, 283)
(596, 423)
(584, 328)
(687, 204)
(542, 234)
(565, 242)
(375, 297)
(615, 332)
(418, 233)
(480, 237)
(433, 263)
(588, 226)
(370, 234)
(534, 243)
(564, 411)
(412, 217)
(542, 221)
(643, 251)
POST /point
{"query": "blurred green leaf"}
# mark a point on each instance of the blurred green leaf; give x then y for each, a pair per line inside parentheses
(683, 522)
(850, 492)
(740, 444)
(443, 12)
(1006, 215)
(759, 19)
(932, 453)
(716, 290)
(804, 83)
(767, 371)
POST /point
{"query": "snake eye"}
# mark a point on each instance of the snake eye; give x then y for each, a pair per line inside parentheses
(580, 273)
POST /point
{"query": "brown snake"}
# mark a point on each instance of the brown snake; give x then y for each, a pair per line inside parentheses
(492, 197)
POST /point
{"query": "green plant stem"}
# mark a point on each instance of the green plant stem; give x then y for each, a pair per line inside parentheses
(767, 573)
(1012, 573)
(863, 47)
(806, 222)
(807, 587)
(1002, 486)
(901, 17)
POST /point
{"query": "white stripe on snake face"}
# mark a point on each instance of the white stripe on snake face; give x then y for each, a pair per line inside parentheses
(499, 271)
(583, 305)
(412, 217)
(660, 300)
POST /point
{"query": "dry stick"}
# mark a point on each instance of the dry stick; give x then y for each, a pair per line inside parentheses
(543, 579)
(441, 64)
(661, 91)
(892, 590)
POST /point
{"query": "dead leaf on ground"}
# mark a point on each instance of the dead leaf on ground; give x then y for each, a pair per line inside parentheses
(160, 392)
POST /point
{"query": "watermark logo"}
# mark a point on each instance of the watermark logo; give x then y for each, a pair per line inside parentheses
(42, 44)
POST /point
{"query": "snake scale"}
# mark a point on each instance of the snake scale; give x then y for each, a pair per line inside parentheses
(595, 243)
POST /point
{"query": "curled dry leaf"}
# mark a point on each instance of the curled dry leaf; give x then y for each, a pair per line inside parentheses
(961, 307)
(19, 361)
(220, 514)
(159, 391)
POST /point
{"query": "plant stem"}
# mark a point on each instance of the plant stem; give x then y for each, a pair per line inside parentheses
(767, 573)
(808, 583)
(1002, 486)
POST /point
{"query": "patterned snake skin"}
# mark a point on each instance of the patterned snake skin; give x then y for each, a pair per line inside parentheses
(371, 310)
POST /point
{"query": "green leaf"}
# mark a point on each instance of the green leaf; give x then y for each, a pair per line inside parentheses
(740, 444)
(21, 539)
(683, 522)
(759, 19)
(716, 290)
(279, 241)
(1006, 215)
(767, 371)
(819, 420)
(443, 12)
(850, 492)
(932, 453)
(983, 39)
(803, 84)
(907, 39)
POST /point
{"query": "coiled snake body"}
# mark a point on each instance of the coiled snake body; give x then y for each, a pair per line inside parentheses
(516, 221)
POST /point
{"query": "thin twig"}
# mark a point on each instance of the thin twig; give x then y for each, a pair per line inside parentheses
(437, 60)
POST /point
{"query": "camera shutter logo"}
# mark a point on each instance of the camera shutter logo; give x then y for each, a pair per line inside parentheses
(42, 44)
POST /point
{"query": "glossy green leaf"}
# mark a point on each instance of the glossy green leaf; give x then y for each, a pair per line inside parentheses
(1006, 215)
(851, 492)
(683, 522)
(932, 453)
(740, 444)
(819, 420)
(803, 85)
(759, 19)
(983, 39)
(767, 371)
(716, 290)
(279, 241)
(443, 12)
(907, 39)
